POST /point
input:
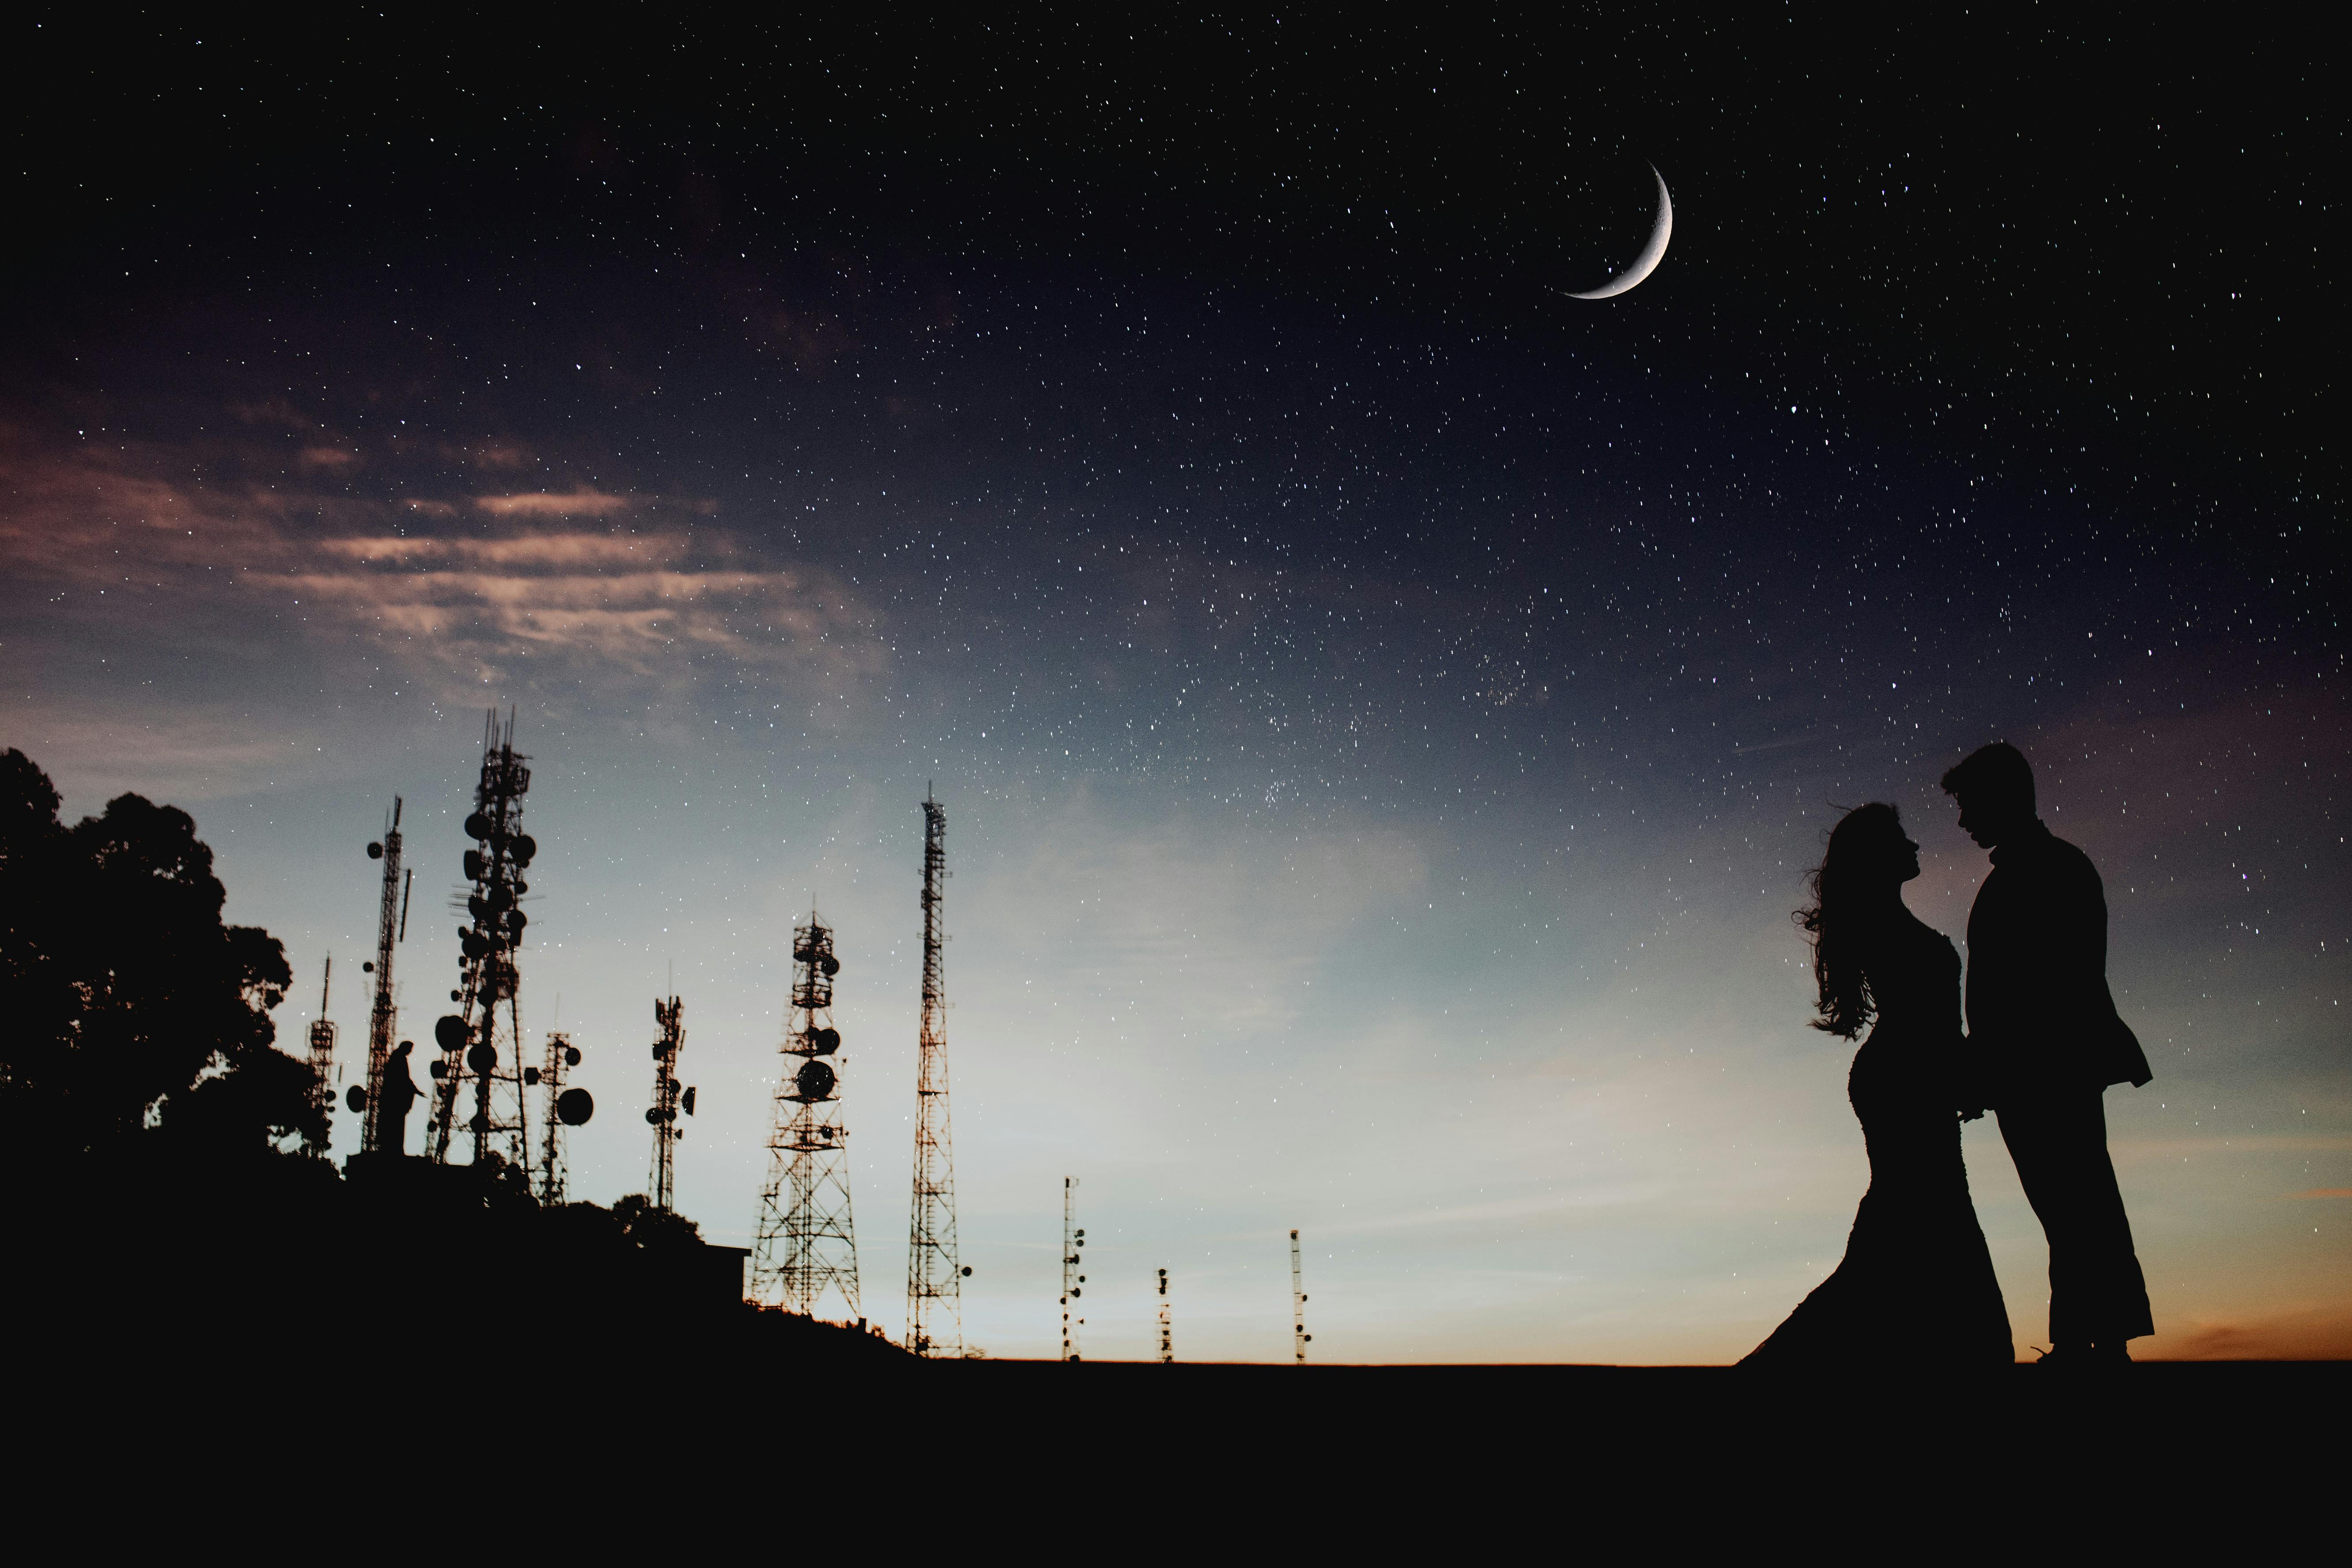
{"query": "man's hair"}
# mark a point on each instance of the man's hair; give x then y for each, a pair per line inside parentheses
(1995, 773)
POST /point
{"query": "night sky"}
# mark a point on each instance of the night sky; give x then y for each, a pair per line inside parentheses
(1384, 707)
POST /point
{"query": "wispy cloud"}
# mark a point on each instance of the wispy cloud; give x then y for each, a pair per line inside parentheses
(581, 502)
(545, 596)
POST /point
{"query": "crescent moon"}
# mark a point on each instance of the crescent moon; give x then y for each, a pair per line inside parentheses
(1653, 253)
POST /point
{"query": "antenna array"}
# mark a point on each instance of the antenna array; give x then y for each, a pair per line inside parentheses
(1298, 1334)
(934, 1273)
(322, 1062)
(807, 1244)
(565, 1108)
(668, 1100)
(1167, 1328)
(1073, 1259)
(389, 918)
(470, 1039)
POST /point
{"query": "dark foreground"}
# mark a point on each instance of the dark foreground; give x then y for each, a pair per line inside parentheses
(411, 1325)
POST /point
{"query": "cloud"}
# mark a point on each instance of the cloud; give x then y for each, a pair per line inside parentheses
(581, 503)
(2311, 1334)
(539, 602)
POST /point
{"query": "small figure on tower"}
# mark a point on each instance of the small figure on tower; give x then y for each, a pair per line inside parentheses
(397, 1092)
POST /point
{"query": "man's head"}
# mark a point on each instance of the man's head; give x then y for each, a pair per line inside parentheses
(1994, 787)
(402, 1049)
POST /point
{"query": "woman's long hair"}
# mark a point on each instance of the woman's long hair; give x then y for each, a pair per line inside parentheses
(1836, 924)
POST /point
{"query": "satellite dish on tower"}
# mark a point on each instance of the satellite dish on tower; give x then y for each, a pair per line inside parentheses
(814, 1080)
(573, 1107)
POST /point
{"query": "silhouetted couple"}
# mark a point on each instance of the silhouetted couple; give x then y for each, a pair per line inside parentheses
(2043, 1042)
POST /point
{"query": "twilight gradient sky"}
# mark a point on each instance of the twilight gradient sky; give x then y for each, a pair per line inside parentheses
(1384, 707)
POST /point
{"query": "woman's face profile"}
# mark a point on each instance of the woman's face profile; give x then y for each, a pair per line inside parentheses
(1892, 855)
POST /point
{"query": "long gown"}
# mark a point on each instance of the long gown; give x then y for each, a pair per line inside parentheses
(1916, 1285)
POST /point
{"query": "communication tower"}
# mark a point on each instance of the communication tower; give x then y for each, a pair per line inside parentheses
(1073, 1259)
(481, 1044)
(391, 928)
(1298, 1334)
(322, 1061)
(934, 1274)
(806, 1244)
(669, 1100)
(1167, 1328)
(564, 1108)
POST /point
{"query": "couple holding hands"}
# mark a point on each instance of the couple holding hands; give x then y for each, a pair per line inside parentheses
(2042, 1044)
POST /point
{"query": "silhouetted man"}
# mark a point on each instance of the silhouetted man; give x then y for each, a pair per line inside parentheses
(2047, 1043)
(393, 1097)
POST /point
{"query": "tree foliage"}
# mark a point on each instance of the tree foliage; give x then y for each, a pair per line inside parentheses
(654, 1229)
(124, 1000)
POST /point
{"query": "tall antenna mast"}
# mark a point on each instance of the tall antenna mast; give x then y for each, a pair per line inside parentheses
(491, 1012)
(1167, 1328)
(322, 1062)
(668, 1097)
(390, 919)
(564, 1108)
(1073, 1259)
(806, 1244)
(934, 1276)
(1298, 1334)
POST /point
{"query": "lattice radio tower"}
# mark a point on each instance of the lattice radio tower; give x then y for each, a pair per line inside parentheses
(563, 1108)
(1073, 1259)
(934, 1275)
(322, 1063)
(669, 1099)
(391, 928)
(1167, 1326)
(806, 1244)
(1298, 1334)
(495, 1112)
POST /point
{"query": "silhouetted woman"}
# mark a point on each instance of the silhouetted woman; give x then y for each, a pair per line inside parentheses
(1916, 1285)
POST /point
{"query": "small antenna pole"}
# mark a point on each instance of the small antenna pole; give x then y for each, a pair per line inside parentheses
(1074, 1238)
(663, 1114)
(1298, 1334)
(390, 917)
(565, 1108)
(323, 1074)
(1167, 1328)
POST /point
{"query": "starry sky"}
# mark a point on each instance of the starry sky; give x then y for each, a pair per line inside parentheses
(1384, 707)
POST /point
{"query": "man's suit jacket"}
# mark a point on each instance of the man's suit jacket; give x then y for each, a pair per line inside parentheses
(2040, 1013)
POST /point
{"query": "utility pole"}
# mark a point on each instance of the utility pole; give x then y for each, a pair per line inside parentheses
(1298, 1334)
(1073, 1259)
(934, 1272)
(322, 1062)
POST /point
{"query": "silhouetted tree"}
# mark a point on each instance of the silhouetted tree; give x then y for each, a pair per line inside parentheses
(124, 999)
(652, 1228)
